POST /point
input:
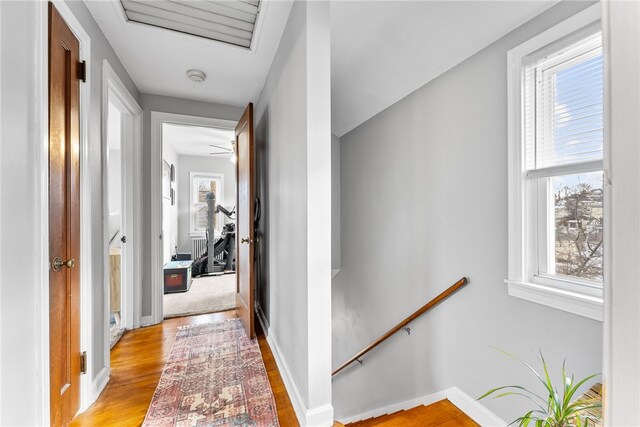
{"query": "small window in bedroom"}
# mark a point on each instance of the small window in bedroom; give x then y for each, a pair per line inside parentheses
(201, 185)
(556, 172)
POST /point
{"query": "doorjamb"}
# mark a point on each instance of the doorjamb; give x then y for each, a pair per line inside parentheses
(85, 265)
(157, 119)
(114, 90)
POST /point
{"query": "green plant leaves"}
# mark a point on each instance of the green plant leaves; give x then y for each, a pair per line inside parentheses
(558, 410)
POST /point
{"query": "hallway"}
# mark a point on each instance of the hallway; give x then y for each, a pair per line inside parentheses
(137, 362)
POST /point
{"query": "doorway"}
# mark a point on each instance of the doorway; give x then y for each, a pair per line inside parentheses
(198, 219)
(116, 228)
(122, 180)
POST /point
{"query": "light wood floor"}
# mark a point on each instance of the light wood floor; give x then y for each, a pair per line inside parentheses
(439, 414)
(137, 362)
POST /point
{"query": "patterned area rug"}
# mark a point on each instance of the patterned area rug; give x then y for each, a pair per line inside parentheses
(215, 376)
(115, 333)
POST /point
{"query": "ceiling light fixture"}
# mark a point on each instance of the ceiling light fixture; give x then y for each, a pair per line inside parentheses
(196, 76)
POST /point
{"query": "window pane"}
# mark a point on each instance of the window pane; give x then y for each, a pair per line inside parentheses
(204, 187)
(202, 210)
(569, 106)
(201, 186)
(578, 225)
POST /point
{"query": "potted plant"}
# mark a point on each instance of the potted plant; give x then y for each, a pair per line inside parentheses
(560, 408)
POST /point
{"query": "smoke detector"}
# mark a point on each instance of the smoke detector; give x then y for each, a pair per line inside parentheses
(196, 76)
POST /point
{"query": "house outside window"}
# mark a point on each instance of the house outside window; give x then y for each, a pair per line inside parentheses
(556, 185)
(201, 184)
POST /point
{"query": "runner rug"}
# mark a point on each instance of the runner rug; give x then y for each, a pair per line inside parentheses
(215, 376)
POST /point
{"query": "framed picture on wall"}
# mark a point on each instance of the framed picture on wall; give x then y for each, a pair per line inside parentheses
(166, 180)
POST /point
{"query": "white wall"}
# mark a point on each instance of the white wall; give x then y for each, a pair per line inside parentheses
(293, 144)
(446, 182)
(166, 104)
(622, 318)
(208, 164)
(169, 211)
(22, 264)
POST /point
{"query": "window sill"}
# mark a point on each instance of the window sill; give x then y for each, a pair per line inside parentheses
(572, 302)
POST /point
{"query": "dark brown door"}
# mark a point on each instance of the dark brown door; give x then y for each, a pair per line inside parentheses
(245, 239)
(64, 220)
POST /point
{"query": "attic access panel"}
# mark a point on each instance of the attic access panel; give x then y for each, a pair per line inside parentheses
(227, 21)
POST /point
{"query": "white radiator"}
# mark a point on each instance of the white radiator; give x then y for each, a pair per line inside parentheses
(198, 247)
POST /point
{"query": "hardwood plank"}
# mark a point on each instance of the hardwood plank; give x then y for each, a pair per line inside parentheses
(439, 414)
(136, 365)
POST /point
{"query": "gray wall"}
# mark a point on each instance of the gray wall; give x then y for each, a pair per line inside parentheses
(281, 133)
(446, 181)
(188, 164)
(336, 257)
(166, 104)
(19, 225)
(293, 144)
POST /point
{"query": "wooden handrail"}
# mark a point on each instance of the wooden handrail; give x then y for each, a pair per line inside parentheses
(428, 306)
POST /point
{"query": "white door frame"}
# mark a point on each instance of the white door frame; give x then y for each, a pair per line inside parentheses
(114, 91)
(157, 119)
(86, 210)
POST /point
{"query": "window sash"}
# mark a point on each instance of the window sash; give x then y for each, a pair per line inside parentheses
(541, 202)
(540, 117)
(521, 281)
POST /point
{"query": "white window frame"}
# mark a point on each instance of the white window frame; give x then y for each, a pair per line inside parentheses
(581, 299)
(193, 230)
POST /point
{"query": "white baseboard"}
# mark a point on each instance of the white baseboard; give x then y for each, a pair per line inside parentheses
(99, 383)
(316, 417)
(146, 320)
(407, 404)
(474, 409)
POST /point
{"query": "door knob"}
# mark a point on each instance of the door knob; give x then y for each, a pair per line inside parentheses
(123, 239)
(58, 263)
(245, 240)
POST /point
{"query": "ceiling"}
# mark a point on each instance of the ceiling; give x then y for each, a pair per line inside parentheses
(381, 51)
(228, 21)
(197, 140)
(157, 59)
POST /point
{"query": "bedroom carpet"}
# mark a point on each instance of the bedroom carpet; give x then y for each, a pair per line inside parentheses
(208, 294)
(214, 376)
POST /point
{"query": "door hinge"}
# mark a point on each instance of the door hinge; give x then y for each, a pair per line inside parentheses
(83, 362)
(82, 71)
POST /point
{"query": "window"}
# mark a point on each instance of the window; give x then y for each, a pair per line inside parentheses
(201, 185)
(556, 191)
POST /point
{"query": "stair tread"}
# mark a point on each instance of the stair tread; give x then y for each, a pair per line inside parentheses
(439, 414)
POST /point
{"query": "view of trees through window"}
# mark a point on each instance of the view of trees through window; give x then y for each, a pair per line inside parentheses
(578, 225)
(577, 128)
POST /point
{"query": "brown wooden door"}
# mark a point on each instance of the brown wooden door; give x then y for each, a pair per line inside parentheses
(245, 238)
(64, 220)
